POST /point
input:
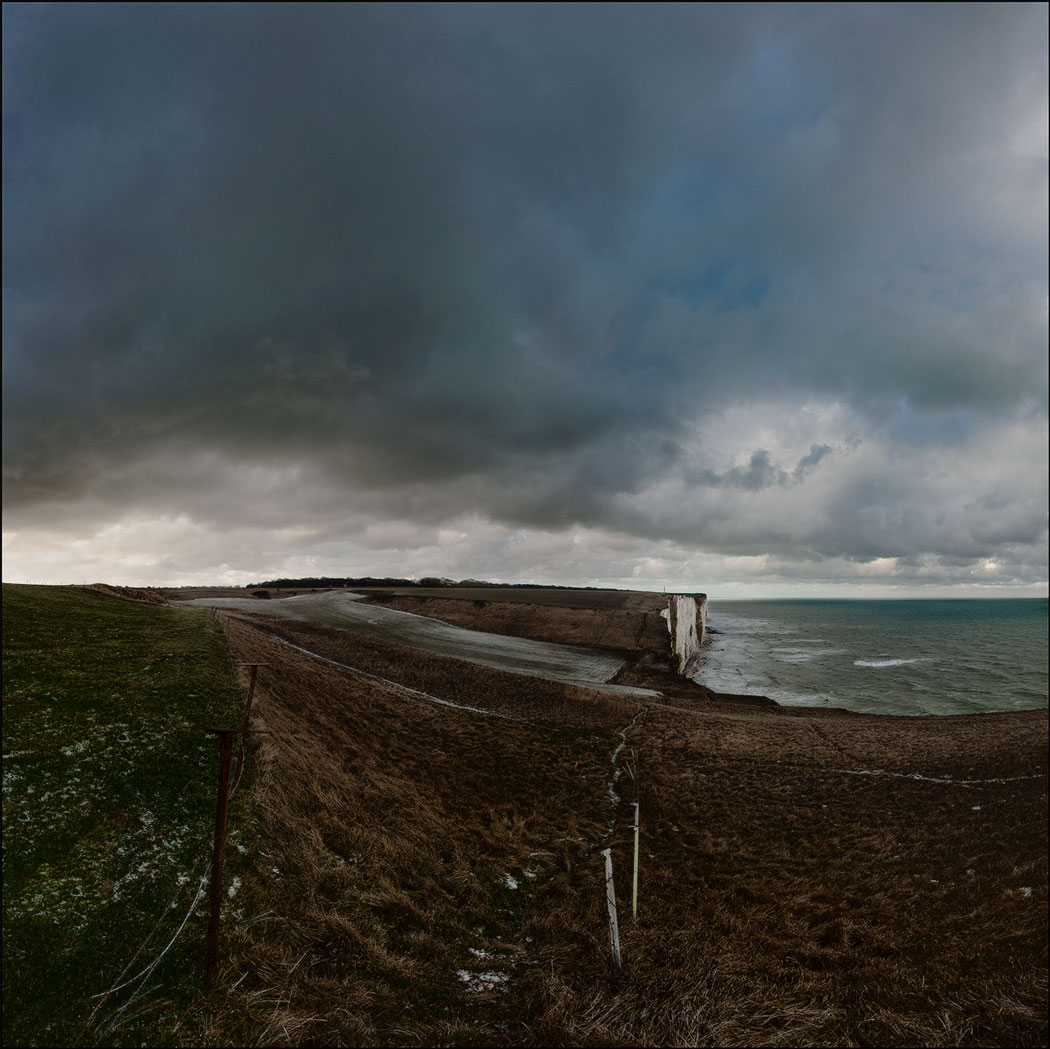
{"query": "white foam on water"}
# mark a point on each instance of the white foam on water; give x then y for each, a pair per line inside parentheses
(804, 655)
(745, 655)
(800, 699)
(878, 664)
(879, 657)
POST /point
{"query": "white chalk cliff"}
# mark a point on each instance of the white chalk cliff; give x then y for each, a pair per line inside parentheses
(685, 623)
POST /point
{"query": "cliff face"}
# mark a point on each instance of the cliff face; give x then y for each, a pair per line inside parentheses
(685, 623)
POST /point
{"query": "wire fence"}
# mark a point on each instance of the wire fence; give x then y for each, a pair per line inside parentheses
(141, 979)
(143, 976)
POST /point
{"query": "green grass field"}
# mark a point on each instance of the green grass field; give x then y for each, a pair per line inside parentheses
(108, 801)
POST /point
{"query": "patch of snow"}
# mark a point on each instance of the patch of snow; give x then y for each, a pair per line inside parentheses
(481, 981)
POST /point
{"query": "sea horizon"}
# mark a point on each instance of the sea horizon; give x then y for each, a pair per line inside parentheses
(905, 656)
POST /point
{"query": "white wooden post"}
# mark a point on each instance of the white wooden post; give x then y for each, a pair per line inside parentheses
(610, 899)
(634, 887)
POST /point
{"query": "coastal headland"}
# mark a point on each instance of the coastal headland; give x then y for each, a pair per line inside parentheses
(430, 834)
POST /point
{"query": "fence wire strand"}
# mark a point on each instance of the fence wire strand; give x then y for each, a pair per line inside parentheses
(149, 969)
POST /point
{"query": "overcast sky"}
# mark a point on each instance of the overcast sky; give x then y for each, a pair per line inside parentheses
(743, 299)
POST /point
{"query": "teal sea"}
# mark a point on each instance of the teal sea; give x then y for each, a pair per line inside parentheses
(880, 657)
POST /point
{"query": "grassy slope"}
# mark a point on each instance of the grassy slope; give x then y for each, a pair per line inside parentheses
(431, 875)
(422, 861)
(784, 899)
(108, 801)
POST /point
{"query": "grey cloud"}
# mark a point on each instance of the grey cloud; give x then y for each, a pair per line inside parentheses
(507, 258)
(808, 463)
(759, 473)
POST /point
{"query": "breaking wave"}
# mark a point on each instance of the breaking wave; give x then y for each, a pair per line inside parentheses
(884, 662)
(913, 657)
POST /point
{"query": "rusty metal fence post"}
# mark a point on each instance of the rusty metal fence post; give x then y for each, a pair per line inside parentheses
(211, 951)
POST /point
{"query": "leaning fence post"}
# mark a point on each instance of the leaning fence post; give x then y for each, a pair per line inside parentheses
(211, 952)
(222, 804)
(610, 900)
(247, 713)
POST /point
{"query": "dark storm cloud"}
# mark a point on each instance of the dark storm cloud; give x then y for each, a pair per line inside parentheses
(516, 259)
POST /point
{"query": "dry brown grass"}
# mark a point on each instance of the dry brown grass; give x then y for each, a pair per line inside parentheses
(785, 898)
(612, 619)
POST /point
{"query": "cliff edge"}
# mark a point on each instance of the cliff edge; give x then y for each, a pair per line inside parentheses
(685, 623)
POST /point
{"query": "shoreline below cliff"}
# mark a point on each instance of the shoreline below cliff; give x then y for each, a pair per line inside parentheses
(905, 657)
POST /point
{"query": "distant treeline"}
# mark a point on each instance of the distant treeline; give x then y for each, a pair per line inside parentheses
(317, 582)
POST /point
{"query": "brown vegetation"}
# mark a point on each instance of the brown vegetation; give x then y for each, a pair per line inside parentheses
(431, 874)
(143, 595)
(604, 621)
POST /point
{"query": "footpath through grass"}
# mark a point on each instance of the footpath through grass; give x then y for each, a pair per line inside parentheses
(108, 801)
